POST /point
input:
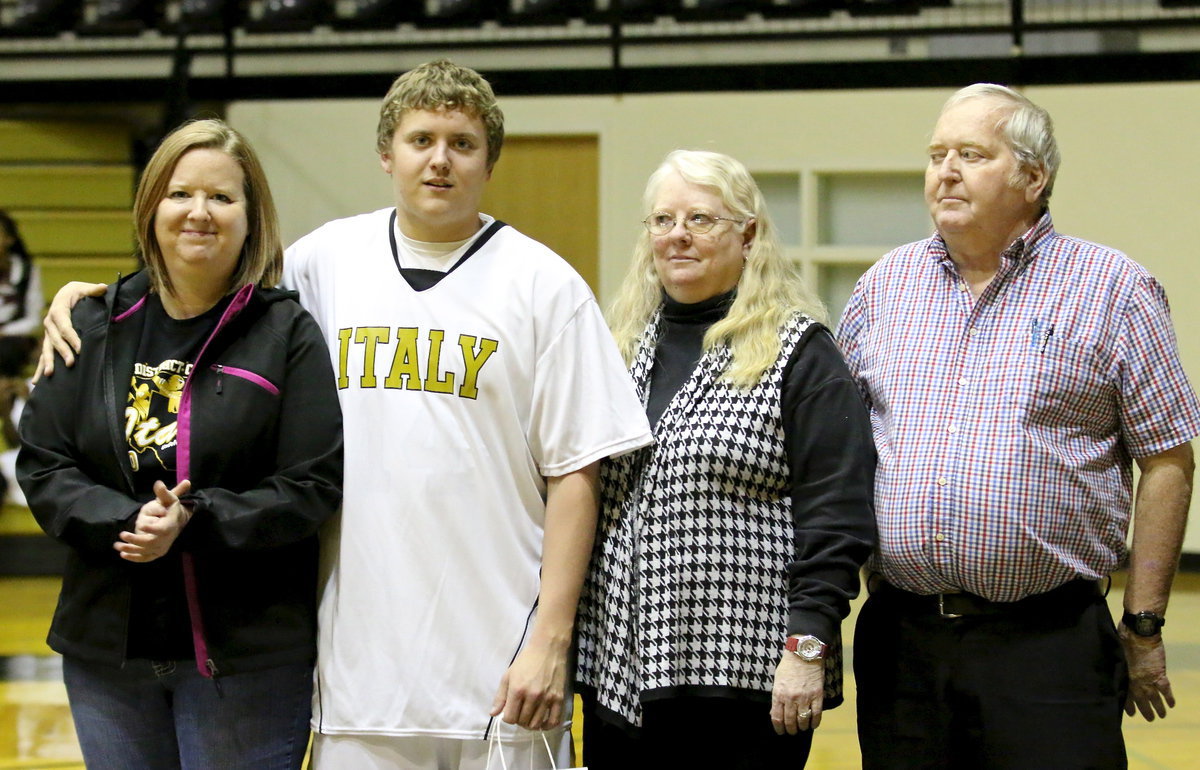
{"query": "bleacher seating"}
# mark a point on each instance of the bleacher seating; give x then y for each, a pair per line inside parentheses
(73, 20)
(69, 186)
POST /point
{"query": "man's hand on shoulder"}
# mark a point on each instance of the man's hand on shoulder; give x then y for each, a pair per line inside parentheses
(59, 334)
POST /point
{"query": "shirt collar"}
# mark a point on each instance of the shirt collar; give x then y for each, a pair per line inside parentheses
(1037, 236)
(706, 310)
(1022, 250)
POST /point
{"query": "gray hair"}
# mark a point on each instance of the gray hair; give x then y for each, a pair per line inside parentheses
(1027, 130)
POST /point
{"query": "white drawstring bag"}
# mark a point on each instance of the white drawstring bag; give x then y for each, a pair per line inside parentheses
(495, 745)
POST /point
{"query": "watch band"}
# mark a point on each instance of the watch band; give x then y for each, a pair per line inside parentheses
(807, 647)
(1144, 623)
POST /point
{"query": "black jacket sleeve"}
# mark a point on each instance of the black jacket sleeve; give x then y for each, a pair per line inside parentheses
(831, 454)
(65, 490)
(303, 483)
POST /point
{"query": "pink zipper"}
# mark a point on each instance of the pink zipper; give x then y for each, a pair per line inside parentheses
(204, 663)
(244, 374)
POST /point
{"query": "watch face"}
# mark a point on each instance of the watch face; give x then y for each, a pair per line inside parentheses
(810, 648)
(1146, 625)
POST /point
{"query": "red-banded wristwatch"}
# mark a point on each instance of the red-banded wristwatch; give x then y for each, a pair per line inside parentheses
(807, 647)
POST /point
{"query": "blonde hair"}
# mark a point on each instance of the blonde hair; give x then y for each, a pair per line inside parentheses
(769, 292)
(261, 260)
(441, 85)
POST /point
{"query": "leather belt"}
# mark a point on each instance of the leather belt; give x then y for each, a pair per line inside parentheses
(1075, 594)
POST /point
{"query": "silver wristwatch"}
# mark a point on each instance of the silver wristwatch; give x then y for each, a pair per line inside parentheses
(807, 647)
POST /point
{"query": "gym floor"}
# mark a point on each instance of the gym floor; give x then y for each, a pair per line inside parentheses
(36, 731)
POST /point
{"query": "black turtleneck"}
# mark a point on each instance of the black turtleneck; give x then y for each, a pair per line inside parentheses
(680, 347)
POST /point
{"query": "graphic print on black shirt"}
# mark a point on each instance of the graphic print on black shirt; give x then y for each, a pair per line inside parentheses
(164, 360)
(159, 627)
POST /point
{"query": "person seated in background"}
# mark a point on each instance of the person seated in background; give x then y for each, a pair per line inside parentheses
(187, 459)
(20, 315)
(20, 283)
(16, 360)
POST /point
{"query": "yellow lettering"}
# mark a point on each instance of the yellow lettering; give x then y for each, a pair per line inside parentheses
(434, 382)
(141, 436)
(164, 435)
(406, 371)
(343, 380)
(474, 361)
(371, 336)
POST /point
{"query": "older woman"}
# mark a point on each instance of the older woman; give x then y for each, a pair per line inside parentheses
(729, 550)
(188, 459)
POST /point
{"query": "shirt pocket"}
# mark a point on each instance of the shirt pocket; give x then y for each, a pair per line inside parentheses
(1063, 386)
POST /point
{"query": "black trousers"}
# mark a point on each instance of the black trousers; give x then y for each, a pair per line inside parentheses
(1021, 691)
(693, 732)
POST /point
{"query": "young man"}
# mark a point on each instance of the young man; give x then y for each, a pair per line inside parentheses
(480, 388)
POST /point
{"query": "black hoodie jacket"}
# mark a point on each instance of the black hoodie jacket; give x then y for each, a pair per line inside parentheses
(259, 432)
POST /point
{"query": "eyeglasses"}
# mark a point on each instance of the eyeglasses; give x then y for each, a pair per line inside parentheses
(697, 223)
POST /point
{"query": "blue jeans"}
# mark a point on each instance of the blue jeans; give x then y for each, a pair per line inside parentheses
(165, 716)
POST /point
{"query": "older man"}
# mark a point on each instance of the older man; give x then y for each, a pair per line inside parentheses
(1013, 375)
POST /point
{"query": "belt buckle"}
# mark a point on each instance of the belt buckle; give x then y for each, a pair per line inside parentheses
(942, 608)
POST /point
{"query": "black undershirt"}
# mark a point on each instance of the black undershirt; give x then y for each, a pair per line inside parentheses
(159, 626)
(680, 347)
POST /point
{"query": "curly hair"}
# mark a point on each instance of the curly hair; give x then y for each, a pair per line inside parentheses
(442, 85)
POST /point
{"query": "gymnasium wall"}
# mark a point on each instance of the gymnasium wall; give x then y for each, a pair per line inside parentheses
(1128, 176)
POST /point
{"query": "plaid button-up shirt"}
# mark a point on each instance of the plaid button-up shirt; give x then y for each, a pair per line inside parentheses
(1006, 426)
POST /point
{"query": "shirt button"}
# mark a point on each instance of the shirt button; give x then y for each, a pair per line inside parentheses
(939, 537)
(962, 380)
(953, 428)
(941, 482)
(973, 331)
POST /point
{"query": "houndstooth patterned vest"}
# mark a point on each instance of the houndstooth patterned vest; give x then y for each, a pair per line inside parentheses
(688, 586)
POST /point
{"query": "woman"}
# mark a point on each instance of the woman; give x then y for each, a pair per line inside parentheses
(740, 532)
(188, 459)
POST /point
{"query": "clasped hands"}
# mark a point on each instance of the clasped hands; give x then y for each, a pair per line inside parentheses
(158, 524)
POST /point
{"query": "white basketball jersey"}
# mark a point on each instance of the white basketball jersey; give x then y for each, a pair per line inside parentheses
(457, 401)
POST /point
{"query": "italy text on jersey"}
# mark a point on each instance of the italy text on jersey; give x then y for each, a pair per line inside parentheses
(414, 365)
